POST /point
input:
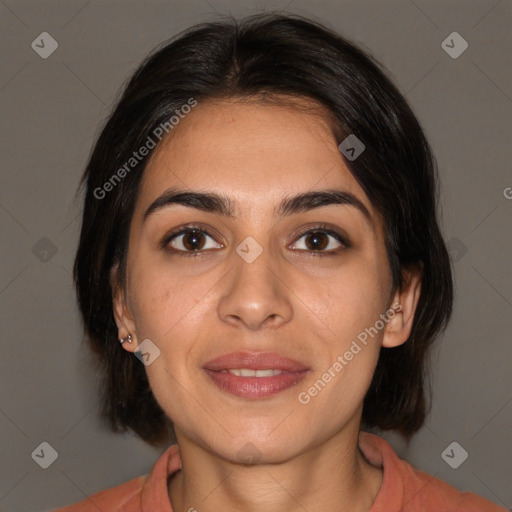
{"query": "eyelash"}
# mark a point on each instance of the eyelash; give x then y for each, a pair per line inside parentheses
(192, 228)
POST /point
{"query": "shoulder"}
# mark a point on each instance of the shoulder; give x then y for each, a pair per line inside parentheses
(440, 496)
(146, 492)
(406, 489)
(121, 498)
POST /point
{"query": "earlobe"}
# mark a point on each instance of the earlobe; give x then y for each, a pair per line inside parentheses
(399, 324)
(122, 315)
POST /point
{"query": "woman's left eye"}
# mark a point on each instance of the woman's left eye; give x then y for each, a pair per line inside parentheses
(319, 242)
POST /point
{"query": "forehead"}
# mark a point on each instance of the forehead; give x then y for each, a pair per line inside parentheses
(253, 152)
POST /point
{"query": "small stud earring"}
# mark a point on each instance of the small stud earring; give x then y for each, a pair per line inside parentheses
(128, 339)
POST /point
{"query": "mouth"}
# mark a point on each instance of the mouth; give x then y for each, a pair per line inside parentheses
(254, 375)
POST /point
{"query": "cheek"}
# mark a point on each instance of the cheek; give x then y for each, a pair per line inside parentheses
(346, 308)
(168, 306)
(347, 301)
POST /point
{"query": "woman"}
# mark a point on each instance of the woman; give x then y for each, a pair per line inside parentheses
(260, 264)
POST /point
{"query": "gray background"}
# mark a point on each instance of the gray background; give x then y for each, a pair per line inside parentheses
(53, 108)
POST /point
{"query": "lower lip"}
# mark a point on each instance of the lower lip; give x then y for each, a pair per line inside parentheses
(255, 387)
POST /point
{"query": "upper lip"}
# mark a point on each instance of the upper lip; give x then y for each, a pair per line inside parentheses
(254, 361)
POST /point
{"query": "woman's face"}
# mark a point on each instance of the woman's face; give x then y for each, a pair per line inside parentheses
(261, 287)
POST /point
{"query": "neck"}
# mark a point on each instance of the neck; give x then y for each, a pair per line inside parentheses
(335, 472)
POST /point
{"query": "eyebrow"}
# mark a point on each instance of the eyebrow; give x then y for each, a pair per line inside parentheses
(221, 204)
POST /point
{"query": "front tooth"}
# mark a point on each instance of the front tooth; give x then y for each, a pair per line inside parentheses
(246, 372)
(267, 373)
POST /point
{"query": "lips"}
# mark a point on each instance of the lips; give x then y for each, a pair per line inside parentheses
(254, 361)
(254, 374)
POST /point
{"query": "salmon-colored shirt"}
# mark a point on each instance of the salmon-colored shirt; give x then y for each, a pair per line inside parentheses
(404, 488)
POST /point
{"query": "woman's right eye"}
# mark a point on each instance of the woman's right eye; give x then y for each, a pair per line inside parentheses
(190, 241)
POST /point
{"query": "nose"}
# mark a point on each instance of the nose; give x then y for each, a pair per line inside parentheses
(255, 296)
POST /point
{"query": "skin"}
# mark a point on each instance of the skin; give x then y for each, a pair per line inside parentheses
(309, 308)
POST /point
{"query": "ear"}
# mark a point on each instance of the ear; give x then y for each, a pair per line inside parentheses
(400, 313)
(122, 313)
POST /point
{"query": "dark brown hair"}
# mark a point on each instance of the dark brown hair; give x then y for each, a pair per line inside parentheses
(268, 56)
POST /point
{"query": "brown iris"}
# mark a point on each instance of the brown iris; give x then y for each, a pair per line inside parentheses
(318, 240)
(194, 240)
